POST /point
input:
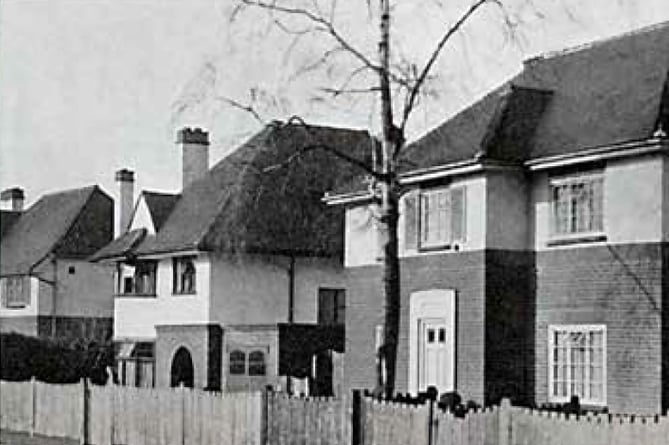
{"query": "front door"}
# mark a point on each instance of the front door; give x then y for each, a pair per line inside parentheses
(433, 354)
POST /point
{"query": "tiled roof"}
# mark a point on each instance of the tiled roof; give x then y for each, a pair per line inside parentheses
(265, 196)
(72, 223)
(160, 206)
(7, 220)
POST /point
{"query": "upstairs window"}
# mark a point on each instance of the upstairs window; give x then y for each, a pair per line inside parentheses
(184, 275)
(577, 363)
(138, 279)
(15, 292)
(435, 218)
(577, 205)
(331, 306)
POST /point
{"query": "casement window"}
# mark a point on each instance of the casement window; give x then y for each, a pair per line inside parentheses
(577, 205)
(577, 363)
(136, 364)
(183, 276)
(331, 306)
(15, 292)
(138, 279)
(435, 218)
(241, 363)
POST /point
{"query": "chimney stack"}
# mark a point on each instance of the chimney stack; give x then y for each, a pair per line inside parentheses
(13, 199)
(126, 180)
(195, 154)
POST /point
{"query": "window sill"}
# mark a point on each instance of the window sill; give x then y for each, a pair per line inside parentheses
(15, 306)
(184, 294)
(135, 296)
(576, 239)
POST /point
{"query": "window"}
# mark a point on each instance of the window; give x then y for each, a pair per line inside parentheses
(331, 306)
(257, 363)
(577, 363)
(577, 205)
(136, 364)
(436, 219)
(15, 291)
(71, 270)
(237, 363)
(184, 275)
(138, 279)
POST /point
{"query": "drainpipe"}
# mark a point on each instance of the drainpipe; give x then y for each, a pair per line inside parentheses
(291, 310)
(291, 290)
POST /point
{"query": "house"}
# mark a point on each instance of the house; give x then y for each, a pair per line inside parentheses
(237, 280)
(534, 238)
(47, 286)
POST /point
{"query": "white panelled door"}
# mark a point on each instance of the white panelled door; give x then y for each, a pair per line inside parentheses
(432, 340)
(433, 354)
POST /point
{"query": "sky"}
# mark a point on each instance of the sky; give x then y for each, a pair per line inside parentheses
(91, 86)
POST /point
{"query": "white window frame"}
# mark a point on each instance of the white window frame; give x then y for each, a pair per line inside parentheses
(448, 238)
(16, 292)
(577, 328)
(568, 181)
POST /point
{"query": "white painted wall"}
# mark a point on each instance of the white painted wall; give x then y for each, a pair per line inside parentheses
(136, 317)
(507, 221)
(142, 217)
(362, 244)
(665, 199)
(254, 289)
(633, 203)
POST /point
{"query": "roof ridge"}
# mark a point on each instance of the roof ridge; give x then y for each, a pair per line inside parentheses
(152, 192)
(594, 43)
(90, 188)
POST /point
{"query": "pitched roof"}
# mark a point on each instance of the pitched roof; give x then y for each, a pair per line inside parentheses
(607, 92)
(265, 196)
(160, 206)
(72, 223)
(121, 246)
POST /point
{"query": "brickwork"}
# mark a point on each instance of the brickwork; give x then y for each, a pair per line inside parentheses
(509, 334)
(93, 328)
(197, 340)
(621, 287)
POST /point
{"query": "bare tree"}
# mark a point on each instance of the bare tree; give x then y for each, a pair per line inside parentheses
(398, 87)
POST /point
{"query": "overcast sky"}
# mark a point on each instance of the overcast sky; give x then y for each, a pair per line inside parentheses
(88, 87)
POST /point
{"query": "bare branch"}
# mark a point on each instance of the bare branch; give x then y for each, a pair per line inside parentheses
(415, 89)
(246, 108)
(325, 26)
(339, 91)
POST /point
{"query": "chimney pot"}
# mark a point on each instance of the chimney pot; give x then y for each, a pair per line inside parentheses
(192, 136)
(15, 196)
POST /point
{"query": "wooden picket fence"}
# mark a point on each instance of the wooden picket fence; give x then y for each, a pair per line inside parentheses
(117, 415)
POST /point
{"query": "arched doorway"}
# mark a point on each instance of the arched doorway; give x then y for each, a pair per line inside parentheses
(181, 372)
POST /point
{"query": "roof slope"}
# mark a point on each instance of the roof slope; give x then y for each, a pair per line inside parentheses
(265, 196)
(160, 206)
(604, 93)
(7, 220)
(73, 223)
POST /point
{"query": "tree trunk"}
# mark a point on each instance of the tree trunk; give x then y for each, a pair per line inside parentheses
(389, 189)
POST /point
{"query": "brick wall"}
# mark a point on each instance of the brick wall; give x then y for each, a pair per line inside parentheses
(463, 272)
(509, 335)
(621, 287)
(203, 342)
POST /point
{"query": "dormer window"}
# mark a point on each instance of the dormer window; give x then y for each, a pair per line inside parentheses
(440, 217)
(577, 206)
(184, 275)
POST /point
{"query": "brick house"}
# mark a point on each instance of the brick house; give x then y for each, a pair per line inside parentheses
(533, 239)
(220, 285)
(47, 286)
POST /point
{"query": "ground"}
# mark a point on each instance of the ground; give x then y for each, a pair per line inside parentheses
(11, 438)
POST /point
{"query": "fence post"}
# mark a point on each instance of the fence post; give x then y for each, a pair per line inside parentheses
(33, 405)
(182, 391)
(264, 419)
(83, 440)
(356, 418)
(504, 414)
(432, 394)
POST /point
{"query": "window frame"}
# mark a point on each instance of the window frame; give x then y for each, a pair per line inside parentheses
(423, 245)
(575, 236)
(25, 297)
(251, 370)
(177, 273)
(577, 328)
(338, 306)
(243, 360)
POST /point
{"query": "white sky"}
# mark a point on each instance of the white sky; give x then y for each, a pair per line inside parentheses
(88, 86)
